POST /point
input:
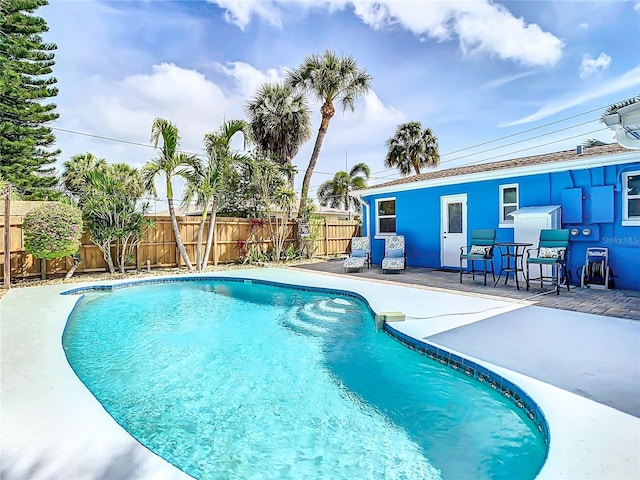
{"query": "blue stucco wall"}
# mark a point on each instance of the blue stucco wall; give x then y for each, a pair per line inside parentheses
(418, 218)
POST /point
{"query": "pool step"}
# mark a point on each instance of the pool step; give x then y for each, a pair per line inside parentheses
(293, 322)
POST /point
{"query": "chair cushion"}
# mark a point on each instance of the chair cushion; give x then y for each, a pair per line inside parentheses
(354, 262)
(479, 250)
(551, 252)
(358, 253)
(394, 253)
(393, 263)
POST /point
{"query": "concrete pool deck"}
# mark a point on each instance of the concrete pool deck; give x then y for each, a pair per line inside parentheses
(53, 427)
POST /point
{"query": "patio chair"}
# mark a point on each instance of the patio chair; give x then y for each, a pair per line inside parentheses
(480, 250)
(394, 254)
(552, 252)
(360, 254)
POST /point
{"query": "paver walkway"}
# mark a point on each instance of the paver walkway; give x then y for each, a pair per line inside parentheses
(613, 303)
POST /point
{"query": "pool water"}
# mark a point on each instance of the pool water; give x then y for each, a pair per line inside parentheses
(234, 380)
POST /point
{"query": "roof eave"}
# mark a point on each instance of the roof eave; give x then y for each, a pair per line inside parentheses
(573, 164)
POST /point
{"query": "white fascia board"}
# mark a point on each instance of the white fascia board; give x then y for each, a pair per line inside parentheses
(589, 162)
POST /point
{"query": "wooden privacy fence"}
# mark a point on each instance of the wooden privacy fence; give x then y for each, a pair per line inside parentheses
(158, 249)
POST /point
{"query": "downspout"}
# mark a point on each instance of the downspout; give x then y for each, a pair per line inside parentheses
(364, 204)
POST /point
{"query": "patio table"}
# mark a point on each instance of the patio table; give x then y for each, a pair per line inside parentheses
(511, 260)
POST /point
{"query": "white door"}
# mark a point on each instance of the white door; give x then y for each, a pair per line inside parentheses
(453, 226)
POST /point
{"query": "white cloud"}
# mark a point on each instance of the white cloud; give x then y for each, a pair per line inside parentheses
(501, 82)
(125, 110)
(630, 79)
(593, 66)
(480, 26)
(248, 78)
(240, 12)
(636, 7)
(584, 26)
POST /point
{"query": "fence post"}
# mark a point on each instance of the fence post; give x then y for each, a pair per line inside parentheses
(7, 237)
(326, 237)
(216, 257)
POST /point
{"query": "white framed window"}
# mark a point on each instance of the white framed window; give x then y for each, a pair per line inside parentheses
(386, 216)
(631, 198)
(509, 201)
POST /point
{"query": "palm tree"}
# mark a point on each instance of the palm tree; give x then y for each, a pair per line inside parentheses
(206, 181)
(280, 121)
(335, 192)
(327, 77)
(169, 163)
(76, 169)
(411, 148)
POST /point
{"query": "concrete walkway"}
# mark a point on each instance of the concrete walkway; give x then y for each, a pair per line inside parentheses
(52, 427)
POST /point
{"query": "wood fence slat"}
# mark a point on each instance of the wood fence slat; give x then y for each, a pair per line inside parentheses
(158, 245)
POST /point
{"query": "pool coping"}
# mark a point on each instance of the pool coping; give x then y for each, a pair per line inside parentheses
(577, 425)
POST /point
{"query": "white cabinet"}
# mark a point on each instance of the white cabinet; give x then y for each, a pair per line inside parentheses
(527, 223)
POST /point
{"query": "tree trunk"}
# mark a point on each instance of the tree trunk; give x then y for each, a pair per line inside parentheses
(212, 225)
(176, 232)
(77, 260)
(199, 262)
(105, 248)
(327, 111)
(43, 268)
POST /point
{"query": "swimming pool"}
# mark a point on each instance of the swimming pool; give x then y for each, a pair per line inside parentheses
(236, 380)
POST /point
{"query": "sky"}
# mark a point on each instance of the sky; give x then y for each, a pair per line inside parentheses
(493, 79)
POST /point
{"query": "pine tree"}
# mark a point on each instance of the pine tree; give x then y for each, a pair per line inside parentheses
(25, 84)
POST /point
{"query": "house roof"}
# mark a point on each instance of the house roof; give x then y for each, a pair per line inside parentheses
(514, 163)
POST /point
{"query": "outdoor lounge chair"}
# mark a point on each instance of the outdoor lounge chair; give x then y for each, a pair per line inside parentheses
(394, 254)
(552, 251)
(360, 254)
(480, 250)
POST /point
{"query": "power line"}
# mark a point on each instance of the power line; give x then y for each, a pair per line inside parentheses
(516, 134)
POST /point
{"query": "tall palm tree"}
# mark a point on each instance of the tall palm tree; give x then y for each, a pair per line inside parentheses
(411, 148)
(280, 121)
(335, 192)
(328, 78)
(206, 182)
(170, 162)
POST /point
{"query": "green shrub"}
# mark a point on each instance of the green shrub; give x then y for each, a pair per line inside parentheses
(53, 231)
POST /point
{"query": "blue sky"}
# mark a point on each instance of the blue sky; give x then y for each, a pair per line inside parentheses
(473, 71)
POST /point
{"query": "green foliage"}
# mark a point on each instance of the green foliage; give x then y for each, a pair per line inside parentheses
(329, 78)
(108, 196)
(335, 192)
(53, 231)
(280, 121)
(412, 148)
(593, 142)
(25, 83)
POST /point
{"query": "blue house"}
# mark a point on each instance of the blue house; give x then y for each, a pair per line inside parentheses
(594, 192)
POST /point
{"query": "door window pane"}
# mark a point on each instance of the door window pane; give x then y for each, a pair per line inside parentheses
(455, 217)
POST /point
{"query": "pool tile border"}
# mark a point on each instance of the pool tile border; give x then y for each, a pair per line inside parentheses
(482, 374)
(458, 363)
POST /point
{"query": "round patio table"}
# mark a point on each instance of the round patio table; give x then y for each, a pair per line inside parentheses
(511, 260)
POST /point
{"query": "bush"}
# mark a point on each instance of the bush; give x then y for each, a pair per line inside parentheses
(53, 231)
